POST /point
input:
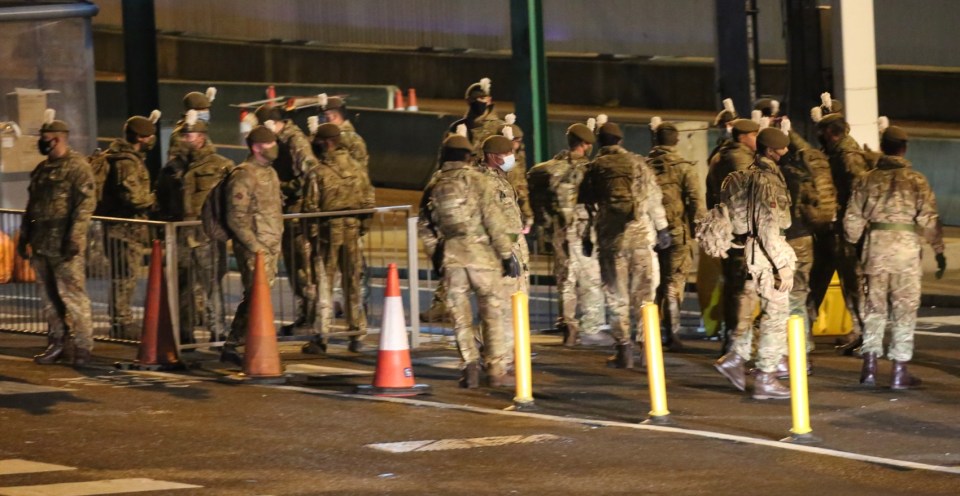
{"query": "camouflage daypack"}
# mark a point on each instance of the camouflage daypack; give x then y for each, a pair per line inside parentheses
(213, 214)
(101, 163)
(542, 181)
(669, 180)
(446, 204)
(826, 207)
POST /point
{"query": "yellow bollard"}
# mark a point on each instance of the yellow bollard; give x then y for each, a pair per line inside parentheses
(799, 401)
(653, 349)
(521, 340)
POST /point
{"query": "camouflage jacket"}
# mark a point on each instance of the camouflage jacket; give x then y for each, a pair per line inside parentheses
(518, 178)
(61, 201)
(355, 144)
(564, 211)
(506, 197)
(763, 212)
(733, 156)
(185, 181)
(461, 210)
(176, 147)
(294, 160)
(254, 210)
(338, 183)
(889, 207)
(479, 128)
(127, 192)
(847, 164)
(675, 173)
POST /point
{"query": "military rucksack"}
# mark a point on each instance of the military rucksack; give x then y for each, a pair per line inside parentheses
(619, 178)
(447, 204)
(352, 187)
(669, 180)
(826, 207)
(101, 163)
(213, 214)
(542, 181)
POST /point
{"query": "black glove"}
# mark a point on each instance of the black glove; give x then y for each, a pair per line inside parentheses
(587, 246)
(664, 240)
(941, 265)
(511, 266)
(437, 260)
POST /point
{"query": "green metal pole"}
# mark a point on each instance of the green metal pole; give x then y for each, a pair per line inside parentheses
(530, 75)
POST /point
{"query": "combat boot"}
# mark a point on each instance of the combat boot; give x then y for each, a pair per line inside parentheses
(783, 368)
(470, 376)
(505, 379)
(229, 354)
(81, 357)
(52, 353)
(316, 346)
(624, 357)
(902, 379)
(767, 387)
(570, 333)
(356, 344)
(436, 313)
(851, 347)
(731, 366)
(868, 374)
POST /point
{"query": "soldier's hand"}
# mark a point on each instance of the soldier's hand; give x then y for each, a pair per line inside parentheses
(664, 240)
(23, 248)
(786, 280)
(941, 265)
(511, 266)
(587, 246)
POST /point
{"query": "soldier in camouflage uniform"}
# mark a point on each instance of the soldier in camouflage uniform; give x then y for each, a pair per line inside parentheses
(683, 204)
(518, 175)
(724, 123)
(889, 209)
(127, 194)
(629, 218)
(200, 103)
(462, 214)
(338, 183)
(759, 206)
(557, 186)
(737, 155)
(253, 212)
(182, 187)
(295, 159)
(54, 232)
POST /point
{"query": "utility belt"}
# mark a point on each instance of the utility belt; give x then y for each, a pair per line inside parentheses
(893, 226)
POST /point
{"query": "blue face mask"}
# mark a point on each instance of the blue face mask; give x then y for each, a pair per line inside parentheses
(509, 162)
(203, 115)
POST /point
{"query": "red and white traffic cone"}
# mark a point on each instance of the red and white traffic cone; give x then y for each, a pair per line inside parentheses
(412, 100)
(398, 100)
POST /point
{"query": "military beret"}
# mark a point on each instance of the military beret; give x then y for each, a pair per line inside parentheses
(517, 132)
(56, 126)
(327, 130)
(836, 107)
(611, 129)
(894, 133)
(724, 117)
(829, 119)
(334, 102)
(745, 126)
(667, 132)
(266, 113)
(196, 101)
(582, 132)
(478, 90)
(767, 107)
(261, 134)
(141, 126)
(772, 138)
(196, 127)
(457, 142)
(497, 144)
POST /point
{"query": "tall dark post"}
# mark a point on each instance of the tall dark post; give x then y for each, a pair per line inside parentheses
(733, 62)
(530, 74)
(807, 76)
(140, 66)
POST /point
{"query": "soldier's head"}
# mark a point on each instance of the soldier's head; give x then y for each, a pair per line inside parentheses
(478, 97)
(745, 131)
(515, 133)
(768, 107)
(498, 152)
(666, 134)
(725, 117)
(262, 143)
(53, 135)
(608, 133)
(194, 130)
(894, 141)
(772, 144)
(456, 148)
(334, 109)
(141, 132)
(831, 129)
(270, 116)
(326, 138)
(200, 102)
(580, 139)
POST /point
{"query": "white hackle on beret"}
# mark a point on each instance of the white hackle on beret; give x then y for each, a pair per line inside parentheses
(785, 125)
(322, 100)
(728, 105)
(507, 132)
(774, 107)
(191, 118)
(592, 124)
(211, 94)
(313, 123)
(462, 130)
(155, 116)
(883, 122)
(601, 120)
(816, 114)
(826, 100)
(755, 116)
(764, 122)
(655, 122)
(485, 85)
(510, 119)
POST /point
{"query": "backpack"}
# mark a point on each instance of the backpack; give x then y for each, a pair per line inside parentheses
(101, 163)
(542, 180)
(619, 182)
(826, 207)
(213, 214)
(716, 230)
(669, 181)
(447, 202)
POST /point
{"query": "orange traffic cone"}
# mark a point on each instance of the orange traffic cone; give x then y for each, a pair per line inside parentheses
(261, 358)
(398, 101)
(157, 347)
(412, 99)
(394, 375)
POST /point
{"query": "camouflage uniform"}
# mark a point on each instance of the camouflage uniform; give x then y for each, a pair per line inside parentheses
(294, 161)
(182, 187)
(626, 229)
(254, 214)
(683, 204)
(355, 144)
(176, 147)
(578, 275)
(518, 178)
(339, 183)
(462, 211)
(126, 194)
(62, 199)
(888, 209)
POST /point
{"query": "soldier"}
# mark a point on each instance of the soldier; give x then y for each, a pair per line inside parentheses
(736, 155)
(682, 204)
(888, 209)
(759, 205)
(629, 219)
(464, 233)
(254, 215)
(556, 184)
(127, 195)
(198, 102)
(724, 123)
(294, 160)
(182, 187)
(338, 183)
(335, 112)
(518, 176)
(831, 251)
(61, 200)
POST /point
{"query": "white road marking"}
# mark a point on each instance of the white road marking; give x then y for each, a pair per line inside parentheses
(940, 319)
(112, 486)
(19, 466)
(307, 369)
(938, 334)
(457, 444)
(7, 387)
(448, 363)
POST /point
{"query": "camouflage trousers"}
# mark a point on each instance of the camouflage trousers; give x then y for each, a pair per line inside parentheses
(339, 248)
(246, 263)
(578, 279)
(675, 264)
(66, 304)
(739, 301)
(125, 245)
(774, 310)
(803, 247)
(630, 278)
(296, 261)
(832, 253)
(485, 284)
(902, 291)
(200, 273)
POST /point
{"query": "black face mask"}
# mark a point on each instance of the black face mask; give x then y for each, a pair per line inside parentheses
(45, 147)
(478, 107)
